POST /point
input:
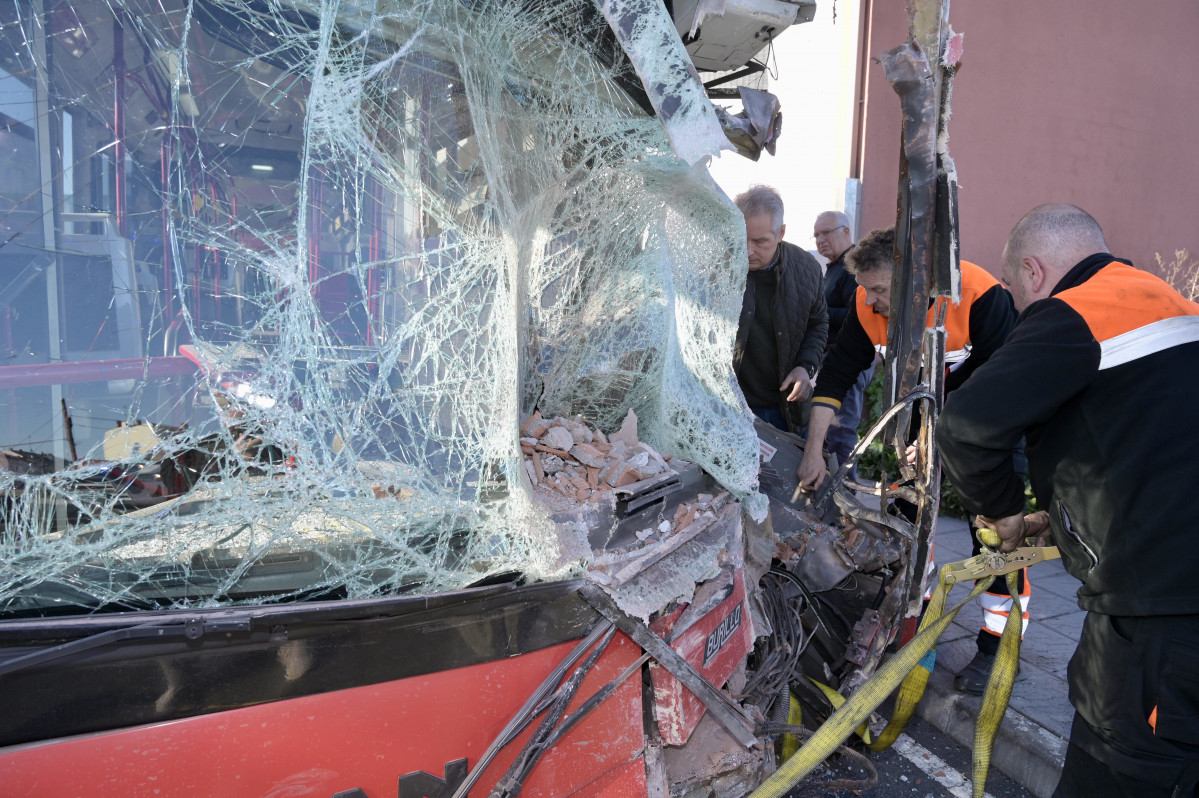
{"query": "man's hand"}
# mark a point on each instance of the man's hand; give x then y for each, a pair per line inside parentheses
(1037, 526)
(800, 384)
(811, 471)
(1013, 529)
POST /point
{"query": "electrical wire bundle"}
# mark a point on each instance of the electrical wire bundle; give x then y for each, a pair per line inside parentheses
(778, 656)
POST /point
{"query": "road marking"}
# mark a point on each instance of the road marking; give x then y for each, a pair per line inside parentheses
(958, 785)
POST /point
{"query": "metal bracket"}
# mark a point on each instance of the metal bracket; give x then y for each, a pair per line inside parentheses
(728, 713)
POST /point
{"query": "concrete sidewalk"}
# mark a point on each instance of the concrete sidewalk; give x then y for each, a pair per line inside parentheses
(1031, 743)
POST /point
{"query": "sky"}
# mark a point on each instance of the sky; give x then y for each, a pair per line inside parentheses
(814, 64)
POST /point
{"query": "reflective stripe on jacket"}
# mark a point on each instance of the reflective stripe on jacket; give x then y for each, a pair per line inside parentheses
(1103, 379)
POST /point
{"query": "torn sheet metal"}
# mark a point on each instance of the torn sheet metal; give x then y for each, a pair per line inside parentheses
(921, 71)
(927, 221)
(757, 126)
(647, 34)
(714, 634)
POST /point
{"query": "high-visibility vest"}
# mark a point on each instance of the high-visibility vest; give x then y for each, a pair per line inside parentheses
(976, 281)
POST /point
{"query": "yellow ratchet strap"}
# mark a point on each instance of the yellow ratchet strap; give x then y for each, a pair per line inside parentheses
(836, 699)
(910, 668)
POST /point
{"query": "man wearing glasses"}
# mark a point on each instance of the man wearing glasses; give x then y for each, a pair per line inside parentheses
(834, 237)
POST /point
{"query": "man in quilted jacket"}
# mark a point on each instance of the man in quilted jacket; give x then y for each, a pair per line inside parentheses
(784, 320)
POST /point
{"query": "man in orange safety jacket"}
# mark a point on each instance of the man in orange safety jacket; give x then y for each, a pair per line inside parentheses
(975, 328)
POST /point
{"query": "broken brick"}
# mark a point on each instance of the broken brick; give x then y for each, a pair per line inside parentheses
(593, 477)
(524, 428)
(537, 467)
(684, 515)
(627, 431)
(541, 447)
(627, 476)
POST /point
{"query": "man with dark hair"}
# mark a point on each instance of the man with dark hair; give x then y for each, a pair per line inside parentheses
(975, 328)
(784, 320)
(1100, 375)
(834, 238)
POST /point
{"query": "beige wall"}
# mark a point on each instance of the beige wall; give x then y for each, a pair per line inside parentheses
(1093, 102)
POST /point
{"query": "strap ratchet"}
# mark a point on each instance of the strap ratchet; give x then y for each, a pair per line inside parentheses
(993, 563)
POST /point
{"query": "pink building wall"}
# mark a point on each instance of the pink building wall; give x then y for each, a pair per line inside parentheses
(1092, 102)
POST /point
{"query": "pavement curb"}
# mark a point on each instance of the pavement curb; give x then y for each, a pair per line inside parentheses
(1025, 751)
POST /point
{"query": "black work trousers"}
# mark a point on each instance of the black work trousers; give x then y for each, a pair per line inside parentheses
(1134, 684)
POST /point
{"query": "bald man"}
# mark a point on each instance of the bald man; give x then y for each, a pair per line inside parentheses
(1101, 373)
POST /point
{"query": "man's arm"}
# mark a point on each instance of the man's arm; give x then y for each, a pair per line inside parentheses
(852, 354)
(816, 333)
(838, 295)
(811, 471)
(992, 317)
(1048, 359)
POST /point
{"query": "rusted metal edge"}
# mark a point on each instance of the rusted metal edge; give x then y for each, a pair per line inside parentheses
(723, 709)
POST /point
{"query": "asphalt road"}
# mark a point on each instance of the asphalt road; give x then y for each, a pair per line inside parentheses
(923, 763)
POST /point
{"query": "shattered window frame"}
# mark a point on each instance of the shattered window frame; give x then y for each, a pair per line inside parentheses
(280, 283)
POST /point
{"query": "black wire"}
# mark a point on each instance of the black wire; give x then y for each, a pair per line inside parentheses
(779, 662)
(803, 734)
(783, 572)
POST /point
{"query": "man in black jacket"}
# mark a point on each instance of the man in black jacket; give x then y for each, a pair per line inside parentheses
(1101, 374)
(834, 238)
(784, 320)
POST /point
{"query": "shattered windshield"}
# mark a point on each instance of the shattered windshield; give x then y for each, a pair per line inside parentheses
(280, 283)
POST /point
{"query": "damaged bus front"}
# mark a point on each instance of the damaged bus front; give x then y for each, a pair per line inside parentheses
(368, 416)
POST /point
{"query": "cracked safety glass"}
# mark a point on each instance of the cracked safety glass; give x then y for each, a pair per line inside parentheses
(279, 283)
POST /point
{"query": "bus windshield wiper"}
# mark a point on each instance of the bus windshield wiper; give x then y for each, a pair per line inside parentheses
(191, 628)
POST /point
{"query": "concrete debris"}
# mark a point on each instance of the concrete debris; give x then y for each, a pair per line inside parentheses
(588, 455)
(627, 431)
(558, 438)
(658, 540)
